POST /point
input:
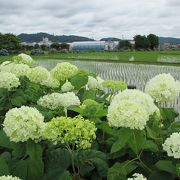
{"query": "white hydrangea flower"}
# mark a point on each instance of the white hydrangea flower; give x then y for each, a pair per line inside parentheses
(139, 97)
(24, 123)
(5, 63)
(69, 99)
(8, 80)
(94, 83)
(67, 86)
(17, 69)
(51, 82)
(56, 100)
(50, 101)
(137, 176)
(172, 145)
(25, 59)
(9, 178)
(127, 113)
(38, 74)
(63, 71)
(162, 88)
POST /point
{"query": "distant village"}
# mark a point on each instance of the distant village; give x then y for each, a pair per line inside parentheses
(96, 45)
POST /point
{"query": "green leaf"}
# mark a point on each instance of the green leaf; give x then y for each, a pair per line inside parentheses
(174, 127)
(65, 176)
(137, 141)
(89, 94)
(168, 115)
(151, 133)
(119, 171)
(178, 169)
(104, 126)
(165, 165)
(4, 170)
(150, 145)
(4, 140)
(58, 158)
(57, 174)
(18, 101)
(20, 169)
(124, 135)
(35, 169)
(18, 150)
(80, 79)
(3, 92)
(159, 175)
(96, 159)
(34, 150)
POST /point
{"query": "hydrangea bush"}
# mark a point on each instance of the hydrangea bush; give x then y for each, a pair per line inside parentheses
(70, 124)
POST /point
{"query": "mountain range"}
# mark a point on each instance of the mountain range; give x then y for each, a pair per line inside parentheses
(72, 38)
(54, 38)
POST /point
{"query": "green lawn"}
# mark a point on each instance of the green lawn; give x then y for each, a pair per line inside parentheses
(139, 57)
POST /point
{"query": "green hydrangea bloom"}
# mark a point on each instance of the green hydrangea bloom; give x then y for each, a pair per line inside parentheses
(115, 85)
(24, 59)
(50, 82)
(67, 86)
(63, 71)
(38, 74)
(67, 130)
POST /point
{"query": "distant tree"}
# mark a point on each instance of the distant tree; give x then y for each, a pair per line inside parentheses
(124, 44)
(141, 42)
(153, 40)
(64, 46)
(43, 47)
(36, 46)
(9, 41)
(55, 45)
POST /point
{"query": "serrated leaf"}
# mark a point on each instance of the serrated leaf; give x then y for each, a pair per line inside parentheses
(80, 79)
(18, 101)
(4, 170)
(137, 142)
(160, 175)
(34, 150)
(119, 171)
(124, 135)
(4, 140)
(165, 165)
(58, 158)
(150, 145)
(35, 169)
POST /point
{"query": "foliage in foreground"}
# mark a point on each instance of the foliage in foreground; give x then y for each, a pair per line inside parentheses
(70, 124)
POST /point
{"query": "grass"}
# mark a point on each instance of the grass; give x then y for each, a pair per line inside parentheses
(140, 57)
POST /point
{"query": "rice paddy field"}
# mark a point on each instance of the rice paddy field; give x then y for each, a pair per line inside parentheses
(155, 57)
(133, 74)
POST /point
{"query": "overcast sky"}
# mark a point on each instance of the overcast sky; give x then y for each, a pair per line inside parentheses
(92, 18)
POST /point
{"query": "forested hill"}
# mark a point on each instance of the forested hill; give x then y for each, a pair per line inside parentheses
(54, 38)
(171, 40)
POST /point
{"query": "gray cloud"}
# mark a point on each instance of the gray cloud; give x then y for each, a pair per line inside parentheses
(93, 18)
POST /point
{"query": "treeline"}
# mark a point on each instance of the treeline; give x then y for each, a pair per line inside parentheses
(12, 44)
(150, 42)
(9, 42)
